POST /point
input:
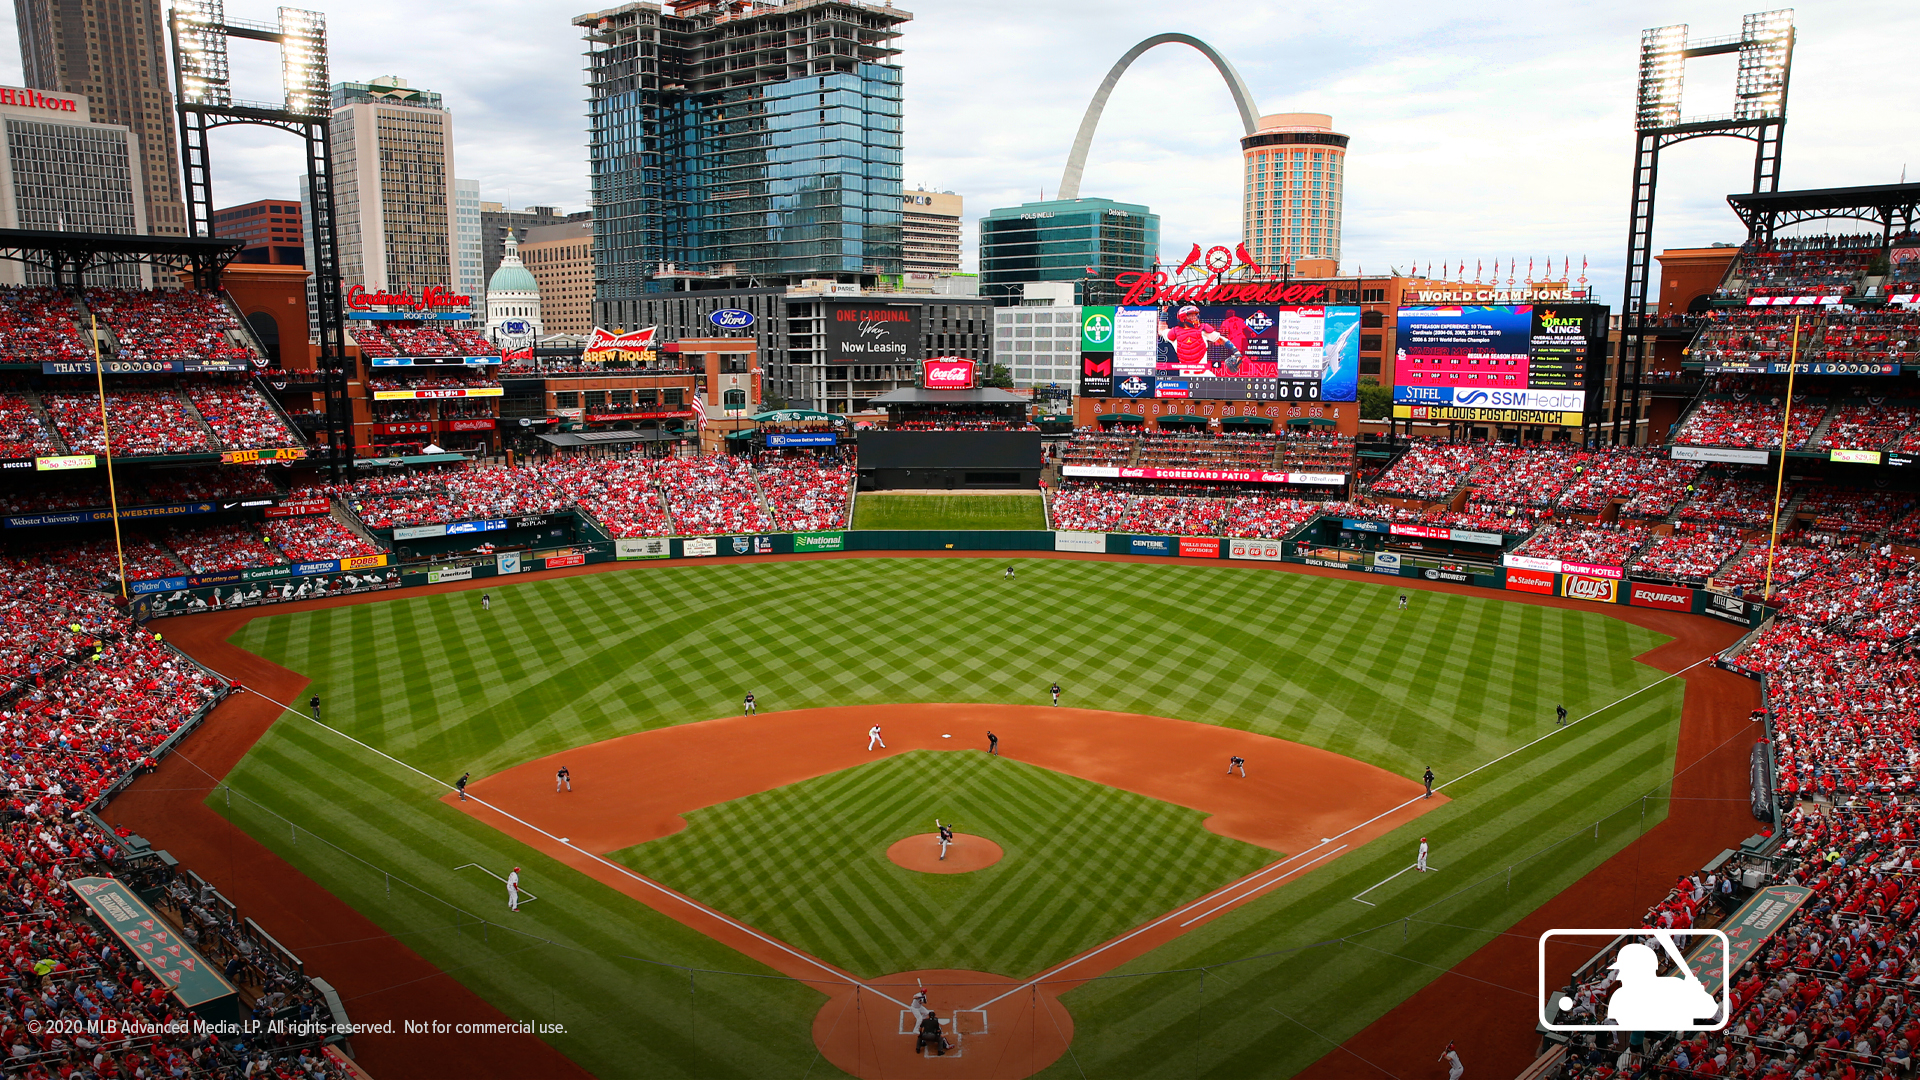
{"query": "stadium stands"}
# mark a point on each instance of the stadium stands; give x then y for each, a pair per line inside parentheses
(1219, 452)
(1867, 426)
(240, 415)
(1719, 422)
(22, 433)
(1731, 502)
(186, 324)
(1597, 544)
(403, 338)
(1269, 517)
(1429, 471)
(619, 493)
(316, 538)
(710, 495)
(149, 421)
(1644, 480)
(37, 324)
(224, 547)
(1802, 265)
(1689, 556)
(804, 494)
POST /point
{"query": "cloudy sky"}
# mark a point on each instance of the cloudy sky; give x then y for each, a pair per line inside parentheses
(1480, 131)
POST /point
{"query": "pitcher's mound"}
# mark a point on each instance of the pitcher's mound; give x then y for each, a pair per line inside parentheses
(967, 852)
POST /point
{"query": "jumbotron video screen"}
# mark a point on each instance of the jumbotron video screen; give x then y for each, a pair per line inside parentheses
(1513, 363)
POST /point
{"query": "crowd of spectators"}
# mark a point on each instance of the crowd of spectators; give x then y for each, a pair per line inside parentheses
(1170, 450)
(402, 337)
(1644, 480)
(1891, 336)
(184, 324)
(1429, 470)
(222, 547)
(619, 493)
(1867, 426)
(1858, 511)
(1273, 517)
(316, 538)
(1751, 423)
(1793, 558)
(36, 324)
(1124, 507)
(962, 418)
(440, 380)
(240, 415)
(1731, 502)
(710, 495)
(1810, 265)
(1599, 545)
(22, 434)
(805, 493)
(1687, 556)
(144, 421)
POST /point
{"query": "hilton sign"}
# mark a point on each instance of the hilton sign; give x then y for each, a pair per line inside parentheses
(34, 99)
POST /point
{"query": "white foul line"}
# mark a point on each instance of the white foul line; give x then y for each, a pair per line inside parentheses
(1386, 879)
(616, 867)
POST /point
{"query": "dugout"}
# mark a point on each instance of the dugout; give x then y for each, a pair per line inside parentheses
(951, 440)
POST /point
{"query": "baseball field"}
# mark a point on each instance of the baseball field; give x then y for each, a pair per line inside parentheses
(1111, 812)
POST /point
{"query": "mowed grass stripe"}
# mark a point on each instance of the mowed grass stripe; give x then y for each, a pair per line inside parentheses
(1328, 662)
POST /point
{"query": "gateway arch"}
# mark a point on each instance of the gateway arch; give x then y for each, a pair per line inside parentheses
(1077, 160)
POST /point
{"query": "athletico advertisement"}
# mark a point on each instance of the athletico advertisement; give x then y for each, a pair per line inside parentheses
(1665, 597)
(1533, 581)
(1598, 590)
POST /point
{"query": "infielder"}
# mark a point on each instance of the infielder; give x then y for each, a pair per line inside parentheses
(1237, 762)
(562, 780)
(747, 705)
(513, 890)
(874, 739)
(1452, 1058)
(1421, 863)
(946, 837)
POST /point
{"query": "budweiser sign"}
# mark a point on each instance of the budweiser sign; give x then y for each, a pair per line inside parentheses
(433, 296)
(947, 373)
(1153, 288)
(606, 345)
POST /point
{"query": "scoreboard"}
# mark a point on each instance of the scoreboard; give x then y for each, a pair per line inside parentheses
(1514, 363)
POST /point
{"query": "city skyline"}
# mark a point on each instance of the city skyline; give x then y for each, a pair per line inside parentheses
(1544, 97)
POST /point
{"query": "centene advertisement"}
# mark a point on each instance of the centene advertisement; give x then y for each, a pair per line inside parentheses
(1080, 541)
(1598, 590)
(1268, 550)
(1151, 545)
(1533, 581)
(1665, 597)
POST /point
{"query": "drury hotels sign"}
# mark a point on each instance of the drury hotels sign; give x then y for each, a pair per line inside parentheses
(874, 334)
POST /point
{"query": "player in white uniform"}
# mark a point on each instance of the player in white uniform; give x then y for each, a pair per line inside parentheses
(513, 890)
(874, 739)
(1452, 1058)
(1422, 862)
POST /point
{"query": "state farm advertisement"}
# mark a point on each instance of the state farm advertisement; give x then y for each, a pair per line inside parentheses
(1598, 590)
(1200, 547)
(947, 373)
(1665, 597)
(1533, 581)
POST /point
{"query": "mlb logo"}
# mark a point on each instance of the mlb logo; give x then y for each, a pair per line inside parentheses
(1639, 980)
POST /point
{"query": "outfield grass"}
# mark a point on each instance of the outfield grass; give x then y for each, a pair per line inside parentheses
(833, 892)
(878, 510)
(1451, 683)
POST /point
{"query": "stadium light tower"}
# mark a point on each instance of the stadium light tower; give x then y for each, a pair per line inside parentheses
(201, 30)
(1765, 48)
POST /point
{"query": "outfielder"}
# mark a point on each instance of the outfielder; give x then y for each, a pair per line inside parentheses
(486, 602)
(1421, 862)
(874, 739)
(513, 890)
(946, 837)
(747, 706)
(1056, 694)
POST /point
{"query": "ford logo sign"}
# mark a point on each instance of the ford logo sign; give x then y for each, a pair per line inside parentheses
(731, 319)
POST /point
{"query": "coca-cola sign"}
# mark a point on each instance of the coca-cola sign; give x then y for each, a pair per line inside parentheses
(948, 373)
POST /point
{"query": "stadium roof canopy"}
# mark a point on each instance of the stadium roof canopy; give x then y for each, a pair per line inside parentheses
(69, 255)
(1890, 206)
(605, 438)
(920, 395)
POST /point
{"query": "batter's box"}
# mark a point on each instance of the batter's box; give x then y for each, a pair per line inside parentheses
(970, 1021)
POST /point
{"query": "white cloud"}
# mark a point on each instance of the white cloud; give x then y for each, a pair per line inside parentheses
(1485, 131)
